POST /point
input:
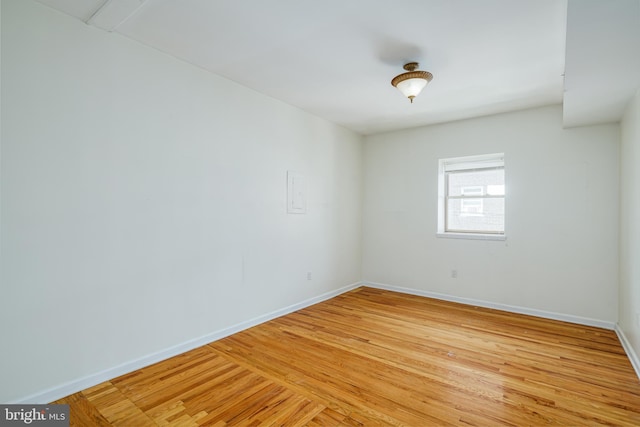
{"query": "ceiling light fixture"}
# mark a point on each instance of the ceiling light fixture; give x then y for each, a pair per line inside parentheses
(411, 82)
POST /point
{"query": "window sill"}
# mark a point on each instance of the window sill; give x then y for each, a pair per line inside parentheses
(472, 236)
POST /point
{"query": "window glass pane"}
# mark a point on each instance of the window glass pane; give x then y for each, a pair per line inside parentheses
(476, 183)
(476, 214)
(496, 190)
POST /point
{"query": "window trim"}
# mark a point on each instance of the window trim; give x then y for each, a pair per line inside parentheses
(465, 164)
(471, 236)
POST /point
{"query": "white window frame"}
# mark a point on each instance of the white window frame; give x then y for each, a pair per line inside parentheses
(468, 163)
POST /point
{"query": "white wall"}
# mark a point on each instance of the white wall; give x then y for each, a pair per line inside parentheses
(144, 202)
(561, 252)
(629, 318)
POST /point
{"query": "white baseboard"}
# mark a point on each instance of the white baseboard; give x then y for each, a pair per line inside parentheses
(626, 345)
(504, 307)
(75, 386)
(633, 356)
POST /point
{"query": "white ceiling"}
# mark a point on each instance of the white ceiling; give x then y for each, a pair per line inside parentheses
(336, 58)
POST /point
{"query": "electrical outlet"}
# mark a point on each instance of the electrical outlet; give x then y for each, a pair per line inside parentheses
(309, 275)
(454, 274)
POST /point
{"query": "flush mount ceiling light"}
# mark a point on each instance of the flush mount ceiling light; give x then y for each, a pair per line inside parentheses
(411, 82)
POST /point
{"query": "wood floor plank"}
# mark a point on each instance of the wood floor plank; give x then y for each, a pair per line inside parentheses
(373, 357)
(116, 407)
(83, 413)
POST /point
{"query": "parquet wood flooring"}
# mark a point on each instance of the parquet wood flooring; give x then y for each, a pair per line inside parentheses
(372, 357)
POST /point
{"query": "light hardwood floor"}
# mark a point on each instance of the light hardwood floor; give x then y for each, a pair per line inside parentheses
(372, 357)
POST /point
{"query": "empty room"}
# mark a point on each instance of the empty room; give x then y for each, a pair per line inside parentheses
(322, 213)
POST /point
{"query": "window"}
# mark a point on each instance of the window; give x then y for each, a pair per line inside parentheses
(472, 197)
(471, 206)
